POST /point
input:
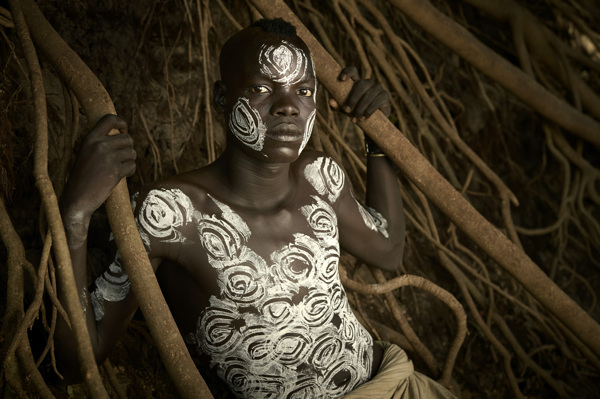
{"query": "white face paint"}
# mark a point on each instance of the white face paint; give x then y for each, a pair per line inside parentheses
(312, 63)
(307, 130)
(247, 125)
(284, 63)
(326, 176)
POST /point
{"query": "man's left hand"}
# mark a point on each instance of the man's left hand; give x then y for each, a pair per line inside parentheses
(365, 97)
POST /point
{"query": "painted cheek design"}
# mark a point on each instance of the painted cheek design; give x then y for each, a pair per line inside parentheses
(326, 177)
(307, 130)
(312, 63)
(285, 63)
(112, 286)
(373, 219)
(247, 125)
(162, 214)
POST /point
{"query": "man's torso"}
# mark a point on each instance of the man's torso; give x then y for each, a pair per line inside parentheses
(259, 292)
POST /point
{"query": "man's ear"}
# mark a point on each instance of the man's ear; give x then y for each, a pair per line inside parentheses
(218, 95)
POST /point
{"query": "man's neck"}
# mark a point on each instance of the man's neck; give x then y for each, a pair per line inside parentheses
(255, 184)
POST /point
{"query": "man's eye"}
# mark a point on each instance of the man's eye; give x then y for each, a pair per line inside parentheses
(306, 92)
(259, 89)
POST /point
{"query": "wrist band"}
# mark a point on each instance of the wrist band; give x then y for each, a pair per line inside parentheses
(372, 149)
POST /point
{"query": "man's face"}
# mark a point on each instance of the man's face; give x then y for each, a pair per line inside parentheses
(270, 97)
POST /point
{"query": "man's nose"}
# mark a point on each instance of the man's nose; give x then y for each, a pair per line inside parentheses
(285, 104)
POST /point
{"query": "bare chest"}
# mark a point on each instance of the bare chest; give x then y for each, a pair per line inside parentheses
(266, 303)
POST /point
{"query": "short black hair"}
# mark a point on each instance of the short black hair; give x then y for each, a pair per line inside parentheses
(277, 26)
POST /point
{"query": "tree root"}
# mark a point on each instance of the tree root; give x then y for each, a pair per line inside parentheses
(436, 291)
(544, 45)
(430, 116)
(488, 62)
(188, 380)
(50, 203)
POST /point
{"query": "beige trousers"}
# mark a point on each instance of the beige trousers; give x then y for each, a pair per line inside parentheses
(396, 379)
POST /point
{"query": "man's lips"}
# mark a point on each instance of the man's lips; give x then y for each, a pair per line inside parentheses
(285, 132)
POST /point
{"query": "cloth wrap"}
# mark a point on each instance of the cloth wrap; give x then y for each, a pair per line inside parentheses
(397, 379)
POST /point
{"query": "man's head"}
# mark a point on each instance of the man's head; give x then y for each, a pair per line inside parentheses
(267, 89)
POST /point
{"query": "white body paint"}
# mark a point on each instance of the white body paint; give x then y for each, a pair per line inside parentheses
(279, 327)
(76, 224)
(161, 213)
(247, 125)
(113, 286)
(84, 300)
(326, 177)
(373, 219)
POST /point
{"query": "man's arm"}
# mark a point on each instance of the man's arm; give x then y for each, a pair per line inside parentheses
(382, 243)
(101, 163)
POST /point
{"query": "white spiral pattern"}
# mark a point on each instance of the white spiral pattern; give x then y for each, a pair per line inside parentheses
(220, 328)
(277, 329)
(321, 218)
(225, 237)
(162, 214)
(113, 286)
(285, 63)
(279, 311)
(373, 219)
(245, 282)
(333, 388)
(310, 122)
(326, 177)
(282, 329)
(247, 125)
(296, 264)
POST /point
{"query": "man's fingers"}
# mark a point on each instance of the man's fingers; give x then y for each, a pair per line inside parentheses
(357, 94)
(128, 168)
(349, 72)
(125, 154)
(365, 97)
(367, 108)
(108, 123)
(119, 141)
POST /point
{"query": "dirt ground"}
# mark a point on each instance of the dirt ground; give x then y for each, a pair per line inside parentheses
(149, 56)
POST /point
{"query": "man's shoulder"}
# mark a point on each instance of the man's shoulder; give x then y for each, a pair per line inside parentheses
(187, 189)
(323, 174)
(310, 156)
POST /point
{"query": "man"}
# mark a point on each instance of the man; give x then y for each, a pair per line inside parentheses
(250, 244)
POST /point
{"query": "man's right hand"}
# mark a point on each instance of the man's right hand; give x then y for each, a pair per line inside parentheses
(102, 162)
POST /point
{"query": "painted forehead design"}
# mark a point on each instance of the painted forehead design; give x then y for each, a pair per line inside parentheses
(284, 63)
